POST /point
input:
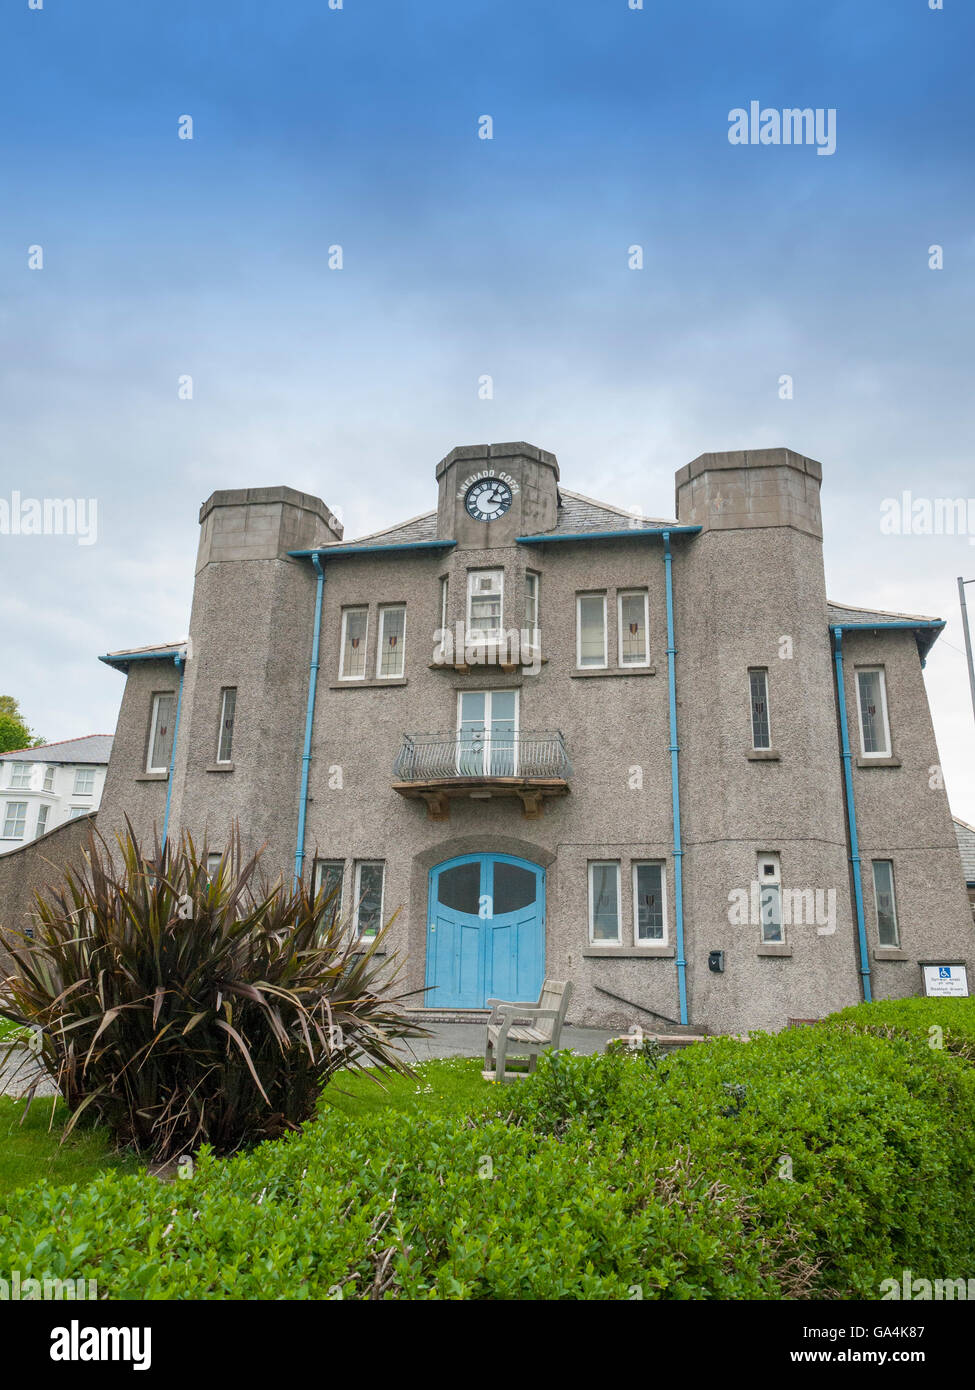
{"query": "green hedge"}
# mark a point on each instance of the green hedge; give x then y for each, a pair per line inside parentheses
(601, 1178)
(947, 1023)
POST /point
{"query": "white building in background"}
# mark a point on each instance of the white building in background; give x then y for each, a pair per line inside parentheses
(41, 788)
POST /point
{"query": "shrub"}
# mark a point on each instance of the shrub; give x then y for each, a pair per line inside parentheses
(179, 1007)
(941, 1023)
(597, 1178)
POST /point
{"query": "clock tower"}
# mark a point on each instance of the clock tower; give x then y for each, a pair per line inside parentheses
(492, 493)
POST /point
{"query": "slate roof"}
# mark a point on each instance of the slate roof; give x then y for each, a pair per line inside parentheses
(576, 514)
(966, 843)
(162, 651)
(579, 513)
(418, 528)
(91, 748)
(843, 614)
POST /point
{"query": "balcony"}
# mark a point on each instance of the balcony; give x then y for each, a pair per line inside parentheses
(480, 766)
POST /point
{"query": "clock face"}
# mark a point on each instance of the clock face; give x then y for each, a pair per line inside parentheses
(488, 499)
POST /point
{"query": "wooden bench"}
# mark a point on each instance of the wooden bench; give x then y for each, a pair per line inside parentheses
(524, 1029)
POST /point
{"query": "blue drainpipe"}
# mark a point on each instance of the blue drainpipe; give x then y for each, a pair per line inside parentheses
(674, 783)
(851, 817)
(309, 716)
(178, 658)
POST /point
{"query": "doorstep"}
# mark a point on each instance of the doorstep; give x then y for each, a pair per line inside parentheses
(446, 1015)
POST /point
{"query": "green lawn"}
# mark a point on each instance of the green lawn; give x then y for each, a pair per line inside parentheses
(8, 1030)
(32, 1151)
(455, 1084)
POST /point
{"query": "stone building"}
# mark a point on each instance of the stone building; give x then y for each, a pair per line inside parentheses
(41, 788)
(559, 739)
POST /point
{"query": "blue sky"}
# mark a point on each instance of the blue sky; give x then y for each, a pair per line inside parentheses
(465, 257)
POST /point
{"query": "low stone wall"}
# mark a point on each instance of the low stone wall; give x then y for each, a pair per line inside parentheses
(31, 868)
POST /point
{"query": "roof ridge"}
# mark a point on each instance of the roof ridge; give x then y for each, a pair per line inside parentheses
(884, 612)
(609, 506)
(57, 743)
(375, 535)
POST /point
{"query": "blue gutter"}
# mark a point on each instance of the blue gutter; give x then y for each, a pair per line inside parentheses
(674, 781)
(932, 625)
(316, 557)
(631, 531)
(181, 667)
(664, 533)
(120, 660)
(370, 549)
(851, 818)
(309, 716)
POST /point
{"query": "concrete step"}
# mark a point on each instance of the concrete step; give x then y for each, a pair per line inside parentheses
(423, 1016)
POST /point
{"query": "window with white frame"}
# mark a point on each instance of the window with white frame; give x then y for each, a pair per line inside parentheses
(885, 902)
(42, 815)
(20, 775)
(649, 912)
(591, 650)
(487, 733)
(78, 811)
(872, 709)
(225, 733)
(369, 883)
(355, 630)
(604, 902)
(15, 820)
(49, 772)
(485, 603)
(758, 695)
(531, 606)
(161, 732)
(327, 878)
(444, 593)
(391, 656)
(770, 897)
(633, 615)
(84, 781)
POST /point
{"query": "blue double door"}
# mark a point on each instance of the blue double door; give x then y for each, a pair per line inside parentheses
(485, 931)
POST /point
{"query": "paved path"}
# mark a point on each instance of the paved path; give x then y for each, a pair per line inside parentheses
(467, 1040)
(448, 1040)
(16, 1074)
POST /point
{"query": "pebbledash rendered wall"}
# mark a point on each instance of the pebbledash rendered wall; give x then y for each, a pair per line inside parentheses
(752, 577)
(34, 867)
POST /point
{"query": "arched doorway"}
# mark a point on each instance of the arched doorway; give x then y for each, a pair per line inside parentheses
(485, 931)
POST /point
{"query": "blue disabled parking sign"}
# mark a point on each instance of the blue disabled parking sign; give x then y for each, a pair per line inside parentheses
(945, 980)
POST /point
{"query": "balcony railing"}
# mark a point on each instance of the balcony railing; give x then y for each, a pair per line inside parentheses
(467, 755)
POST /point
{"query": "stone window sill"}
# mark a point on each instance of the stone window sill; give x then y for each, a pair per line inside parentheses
(762, 755)
(775, 948)
(889, 953)
(629, 952)
(152, 776)
(370, 684)
(878, 762)
(220, 767)
(480, 668)
(610, 671)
